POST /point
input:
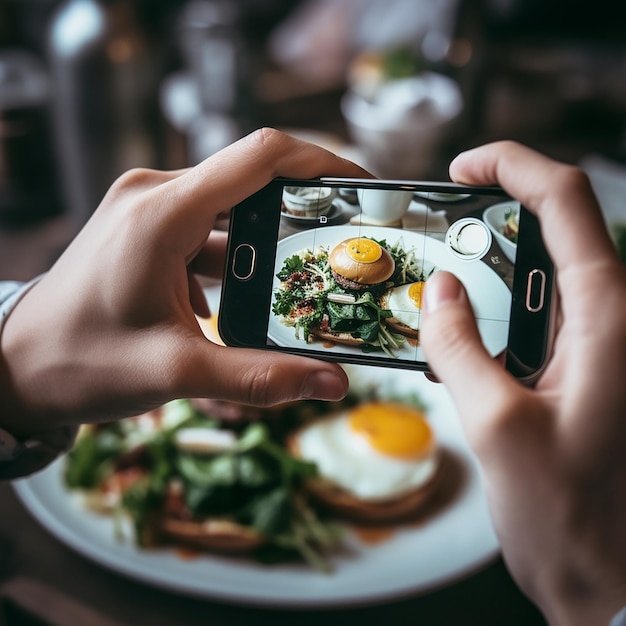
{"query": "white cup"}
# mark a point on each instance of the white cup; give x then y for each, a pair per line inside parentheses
(383, 206)
(401, 132)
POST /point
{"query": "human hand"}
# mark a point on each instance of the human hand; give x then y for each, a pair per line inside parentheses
(554, 456)
(110, 331)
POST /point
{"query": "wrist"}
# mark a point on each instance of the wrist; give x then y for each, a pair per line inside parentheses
(15, 413)
(26, 445)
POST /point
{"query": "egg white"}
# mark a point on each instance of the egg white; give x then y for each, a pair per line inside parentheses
(402, 307)
(346, 458)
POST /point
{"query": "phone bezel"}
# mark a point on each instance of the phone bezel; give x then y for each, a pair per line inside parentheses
(255, 222)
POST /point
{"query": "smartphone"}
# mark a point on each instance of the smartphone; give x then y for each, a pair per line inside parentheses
(335, 268)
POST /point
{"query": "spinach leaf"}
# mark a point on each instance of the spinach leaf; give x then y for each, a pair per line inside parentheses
(207, 471)
(269, 512)
(92, 457)
(368, 332)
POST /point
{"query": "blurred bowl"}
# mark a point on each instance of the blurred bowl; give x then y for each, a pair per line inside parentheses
(308, 201)
(401, 130)
(495, 217)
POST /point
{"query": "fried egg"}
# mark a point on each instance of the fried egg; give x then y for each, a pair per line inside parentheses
(376, 451)
(405, 303)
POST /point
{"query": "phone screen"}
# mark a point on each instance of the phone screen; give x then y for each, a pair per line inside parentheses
(351, 263)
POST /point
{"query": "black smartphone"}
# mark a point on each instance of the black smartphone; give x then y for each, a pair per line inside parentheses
(334, 269)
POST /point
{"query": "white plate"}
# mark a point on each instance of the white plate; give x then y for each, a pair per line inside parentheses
(445, 547)
(489, 295)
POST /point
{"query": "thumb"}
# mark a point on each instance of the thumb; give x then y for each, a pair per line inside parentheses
(261, 378)
(454, 349)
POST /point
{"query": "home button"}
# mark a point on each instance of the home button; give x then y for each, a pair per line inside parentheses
(535, 290)
(244, 260)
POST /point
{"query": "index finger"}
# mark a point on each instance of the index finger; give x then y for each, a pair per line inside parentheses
(560, 195)
(236, 172)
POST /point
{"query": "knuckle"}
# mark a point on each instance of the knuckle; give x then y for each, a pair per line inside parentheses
(256, 386)
(136, 178)
(265, 139)
(128, 186)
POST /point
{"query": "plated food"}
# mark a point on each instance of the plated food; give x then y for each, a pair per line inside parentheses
(405, 304)
(371, 563)
(361, 291)
(186, 478)
(304, 290)
(188, 475)
(377, 462)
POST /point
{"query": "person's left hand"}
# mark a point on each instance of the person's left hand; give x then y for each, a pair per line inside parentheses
(110, 331)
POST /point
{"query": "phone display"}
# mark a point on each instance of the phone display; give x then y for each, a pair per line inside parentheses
(336, 269)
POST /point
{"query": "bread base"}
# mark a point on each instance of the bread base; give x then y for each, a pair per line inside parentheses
(342, 503)
(216, 535)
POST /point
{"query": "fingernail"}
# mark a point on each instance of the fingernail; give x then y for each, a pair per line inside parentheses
(441, 289)
(324, 385)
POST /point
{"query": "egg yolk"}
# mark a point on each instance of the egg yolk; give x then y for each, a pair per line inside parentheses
(393, 429)
(415, 294)
(363, 250)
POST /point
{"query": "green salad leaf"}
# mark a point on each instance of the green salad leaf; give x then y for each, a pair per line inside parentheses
(92, 457)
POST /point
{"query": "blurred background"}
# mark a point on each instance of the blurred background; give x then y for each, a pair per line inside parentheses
(90, 88)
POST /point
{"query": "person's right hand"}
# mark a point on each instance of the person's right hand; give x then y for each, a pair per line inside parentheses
(554, 456)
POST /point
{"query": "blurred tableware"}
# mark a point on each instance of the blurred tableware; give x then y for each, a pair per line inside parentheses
(28, 188)
(106, 70)
(403, 127)
(496, 217)
(309, 202)
(383, 207)
(307, 220)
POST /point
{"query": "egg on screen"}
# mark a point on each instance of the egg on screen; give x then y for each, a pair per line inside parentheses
(405, 304)
(360, 263)
(376, 462)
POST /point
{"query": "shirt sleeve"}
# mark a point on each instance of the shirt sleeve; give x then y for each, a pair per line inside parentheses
(21, 458)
